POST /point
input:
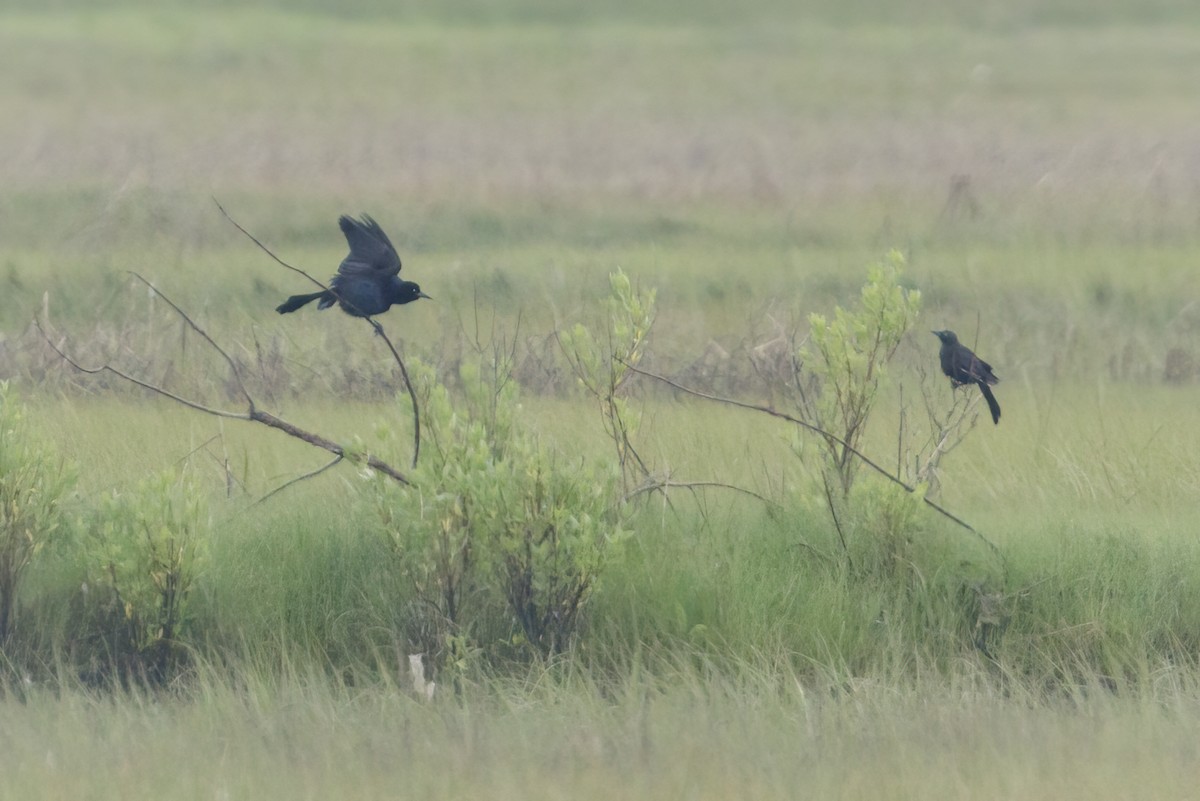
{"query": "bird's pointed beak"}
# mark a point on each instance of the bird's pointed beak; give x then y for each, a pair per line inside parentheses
(423, 295)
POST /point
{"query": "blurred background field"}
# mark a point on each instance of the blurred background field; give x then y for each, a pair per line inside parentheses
(1038, 165)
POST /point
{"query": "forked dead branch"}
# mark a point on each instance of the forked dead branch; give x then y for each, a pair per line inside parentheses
(252, 413)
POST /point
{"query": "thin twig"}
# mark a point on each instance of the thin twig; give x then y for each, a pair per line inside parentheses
(298, 479)
(229, 477)
(819, 553)
(237, 375)
(143, 384)
(837, 524)
(266, 249)
(412, 393)
(669, 484)
(196, 449)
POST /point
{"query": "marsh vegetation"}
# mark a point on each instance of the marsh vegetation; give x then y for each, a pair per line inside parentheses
(616, 586)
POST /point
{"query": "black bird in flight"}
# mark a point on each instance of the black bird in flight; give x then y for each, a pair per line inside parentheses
(368, 281)
(964, 367)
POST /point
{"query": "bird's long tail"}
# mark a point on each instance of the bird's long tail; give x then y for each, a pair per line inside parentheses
(296, 301)
(993, 406)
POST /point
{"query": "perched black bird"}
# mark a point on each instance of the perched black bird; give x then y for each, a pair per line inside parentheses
(964, 367)
(368, 281)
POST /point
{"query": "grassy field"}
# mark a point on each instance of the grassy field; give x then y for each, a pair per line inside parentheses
(1035, 163)
(753, 735)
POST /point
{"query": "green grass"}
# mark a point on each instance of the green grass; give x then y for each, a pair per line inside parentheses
(748, 163)
(698, 732)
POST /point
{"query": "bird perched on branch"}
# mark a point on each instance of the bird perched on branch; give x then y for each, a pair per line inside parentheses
(368, 281)
(964, 367)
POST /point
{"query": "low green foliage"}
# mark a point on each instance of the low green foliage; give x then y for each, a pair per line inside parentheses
(1009, 158)
(145, 549)
(33, 483)
(498, 530)
(848, 358)
(497, 520)
(603, 363)
(842, 367)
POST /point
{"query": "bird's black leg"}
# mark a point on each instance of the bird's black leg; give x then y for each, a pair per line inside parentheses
(378, 328)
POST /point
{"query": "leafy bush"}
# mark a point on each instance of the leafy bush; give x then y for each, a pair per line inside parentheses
(849, 356)
(602, 367)
(145, 549)
(33, 483)
(501, 541)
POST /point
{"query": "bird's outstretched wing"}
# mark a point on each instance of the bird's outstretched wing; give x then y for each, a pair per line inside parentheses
(371, 252)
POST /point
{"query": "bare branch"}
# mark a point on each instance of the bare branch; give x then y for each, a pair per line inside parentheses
(808, 426)
(254, 414)
(143, 384)
(946, 431)
(412, 393)
(836, 522)
(237, 376)
(227, 474)
(268, 419)
(298, 479)
(196, 449)
(666, 484)
(266, 249)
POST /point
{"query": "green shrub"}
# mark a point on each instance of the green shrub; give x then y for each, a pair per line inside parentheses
(501, 540)
(33, 483)
(144, 550)
(848, 356)
(602, 366)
